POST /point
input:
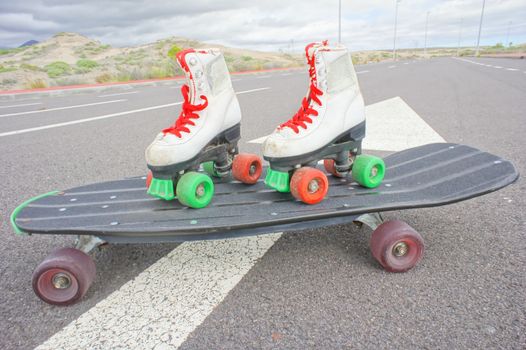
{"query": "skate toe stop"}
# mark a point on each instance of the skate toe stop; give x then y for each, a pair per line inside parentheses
(162, 188)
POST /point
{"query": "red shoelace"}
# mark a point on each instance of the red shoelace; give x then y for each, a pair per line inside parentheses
(187, 114)
(302, 115)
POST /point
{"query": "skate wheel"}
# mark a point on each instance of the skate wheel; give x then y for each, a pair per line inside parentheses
(309, 185)
(208, 167)
(64, 276)
(330, 166)
(149, 178)
(396, 246)
(195, 190)
(368, 171)
(247, 168)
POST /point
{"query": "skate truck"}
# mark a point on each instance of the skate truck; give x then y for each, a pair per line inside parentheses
(205, 134)
(329, 126)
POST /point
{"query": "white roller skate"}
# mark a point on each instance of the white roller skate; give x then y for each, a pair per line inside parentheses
(206, 132)
(329, 125)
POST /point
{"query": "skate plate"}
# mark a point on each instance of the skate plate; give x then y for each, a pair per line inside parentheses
(122, 212)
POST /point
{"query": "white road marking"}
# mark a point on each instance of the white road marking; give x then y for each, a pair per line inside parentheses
(390, 67)
(22, 105)
(406, 62)
(120, 93)
(106, 116)
(285, 74)
(486, 65)
(392, 126)
(165, 303)
(263, 76)
(253, 90)
(60, 108)
(259, 139)
(362, 72)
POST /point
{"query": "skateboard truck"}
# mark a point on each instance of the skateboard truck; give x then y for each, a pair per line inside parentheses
(87, 243)
(373, 220)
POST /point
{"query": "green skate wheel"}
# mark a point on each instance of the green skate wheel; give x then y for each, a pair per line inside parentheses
(208, 167)
(368, 170)
(195, 190)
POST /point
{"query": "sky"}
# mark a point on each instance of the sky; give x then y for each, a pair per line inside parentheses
(269, 25)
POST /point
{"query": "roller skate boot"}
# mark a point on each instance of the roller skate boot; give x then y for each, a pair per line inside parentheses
(329, 125)
(205, 134)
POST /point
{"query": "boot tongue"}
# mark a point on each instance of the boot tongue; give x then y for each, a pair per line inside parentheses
(184, 62)
(190, 81)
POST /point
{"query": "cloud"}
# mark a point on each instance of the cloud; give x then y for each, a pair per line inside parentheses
(264, 25)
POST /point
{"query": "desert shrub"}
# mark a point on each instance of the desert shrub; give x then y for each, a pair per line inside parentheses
(15, 50)
(246, 58)
(157, 72)
(69, 81)
(30, 67)
(57, 69)
(104, 78)
(6, 69)
(124, 76)
(36, 84)
(87, 64)
(174, 50)
(9, 81)
(90, 48)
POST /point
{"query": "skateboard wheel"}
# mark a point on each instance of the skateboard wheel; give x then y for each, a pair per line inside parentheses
(149, 178)
(368, 171)
(396, 246)
(64, 277)
(309, 185)
(195, 190)
(247, 168)
(208, 167)
(330, 166)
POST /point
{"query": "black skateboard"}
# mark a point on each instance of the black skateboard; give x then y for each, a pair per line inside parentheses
(122, 212)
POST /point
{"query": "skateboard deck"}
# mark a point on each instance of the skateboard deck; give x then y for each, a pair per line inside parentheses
(122, 211)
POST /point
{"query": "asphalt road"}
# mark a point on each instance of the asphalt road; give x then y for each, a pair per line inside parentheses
(312, 289)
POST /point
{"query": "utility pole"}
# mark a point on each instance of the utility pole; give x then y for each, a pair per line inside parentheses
(339, 21)
(425, 39)
(508, 34)
(459, 36)
(480, 27)
(395, 24)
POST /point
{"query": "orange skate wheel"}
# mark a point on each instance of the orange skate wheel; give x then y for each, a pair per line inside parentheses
(247, 168)
(309, 185)
(149, 178)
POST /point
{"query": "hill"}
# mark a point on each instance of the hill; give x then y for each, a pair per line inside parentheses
(29, 43)
(71, 59)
